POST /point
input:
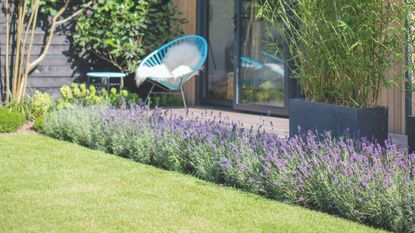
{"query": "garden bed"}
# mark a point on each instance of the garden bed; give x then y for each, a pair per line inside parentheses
(355, 179)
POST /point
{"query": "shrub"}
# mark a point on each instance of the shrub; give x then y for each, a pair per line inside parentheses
(10, 121)
(38, 123)
(355, 179)
(32, 106)
(165, 100)
(24, 107)
(80, 94)
(122, 32)
(41, 103)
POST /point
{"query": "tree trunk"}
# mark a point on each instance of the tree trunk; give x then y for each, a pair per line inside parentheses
(22, 66)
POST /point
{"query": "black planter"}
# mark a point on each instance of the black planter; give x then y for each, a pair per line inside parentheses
(410, 124)
(371, 123)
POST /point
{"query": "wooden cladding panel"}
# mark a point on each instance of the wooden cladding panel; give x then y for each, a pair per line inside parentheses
(394, 99)
(188, 9)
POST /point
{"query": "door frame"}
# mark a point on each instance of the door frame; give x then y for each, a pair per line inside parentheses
(291, 88)
(202, 28)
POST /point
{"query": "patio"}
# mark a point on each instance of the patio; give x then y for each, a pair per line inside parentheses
(278, 125)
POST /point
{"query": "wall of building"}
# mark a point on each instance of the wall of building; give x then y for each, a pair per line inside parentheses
(188, 8)
(393, 98)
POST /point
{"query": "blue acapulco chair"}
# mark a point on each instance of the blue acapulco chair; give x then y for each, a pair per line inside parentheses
(157, 57)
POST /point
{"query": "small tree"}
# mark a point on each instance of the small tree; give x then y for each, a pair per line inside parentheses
(27, 13)
(122, 32)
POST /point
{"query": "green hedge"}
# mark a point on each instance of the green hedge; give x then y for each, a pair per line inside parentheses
(10, 121)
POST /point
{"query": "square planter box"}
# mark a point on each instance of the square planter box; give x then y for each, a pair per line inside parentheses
(410, 121)
(361, 122)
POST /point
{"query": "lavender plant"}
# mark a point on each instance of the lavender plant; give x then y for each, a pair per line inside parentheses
(355, 179)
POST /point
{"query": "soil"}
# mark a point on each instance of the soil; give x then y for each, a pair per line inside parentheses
(26, 129)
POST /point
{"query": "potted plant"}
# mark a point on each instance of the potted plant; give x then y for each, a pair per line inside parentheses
(410, 121)
(341, 52)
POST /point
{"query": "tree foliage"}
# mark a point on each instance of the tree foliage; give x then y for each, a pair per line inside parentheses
(122, 32)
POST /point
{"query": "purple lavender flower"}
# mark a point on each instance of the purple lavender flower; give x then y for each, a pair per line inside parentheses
(225, 163)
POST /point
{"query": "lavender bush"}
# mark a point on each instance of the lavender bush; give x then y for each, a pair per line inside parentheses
(358, 180)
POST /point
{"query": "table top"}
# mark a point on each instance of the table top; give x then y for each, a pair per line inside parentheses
(106, 74)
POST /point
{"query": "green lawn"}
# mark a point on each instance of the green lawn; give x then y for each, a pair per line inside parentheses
(52, 186)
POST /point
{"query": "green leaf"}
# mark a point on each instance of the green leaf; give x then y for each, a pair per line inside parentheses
(53, 11)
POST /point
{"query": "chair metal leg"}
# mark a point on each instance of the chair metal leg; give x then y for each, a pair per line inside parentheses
(149, 93)
(108, 85)
(184, 100)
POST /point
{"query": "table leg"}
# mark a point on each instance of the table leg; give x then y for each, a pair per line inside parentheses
(108, 85)
(121, 83)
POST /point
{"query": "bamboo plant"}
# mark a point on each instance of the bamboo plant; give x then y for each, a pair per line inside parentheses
(344, 52)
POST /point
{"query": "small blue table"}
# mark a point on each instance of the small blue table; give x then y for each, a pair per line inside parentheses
(107, 76)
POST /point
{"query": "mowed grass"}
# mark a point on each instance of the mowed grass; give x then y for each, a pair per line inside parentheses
(48, 185)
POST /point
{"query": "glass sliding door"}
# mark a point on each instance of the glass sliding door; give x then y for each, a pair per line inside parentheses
(220, 75)
(246, 67)
(262, 79)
